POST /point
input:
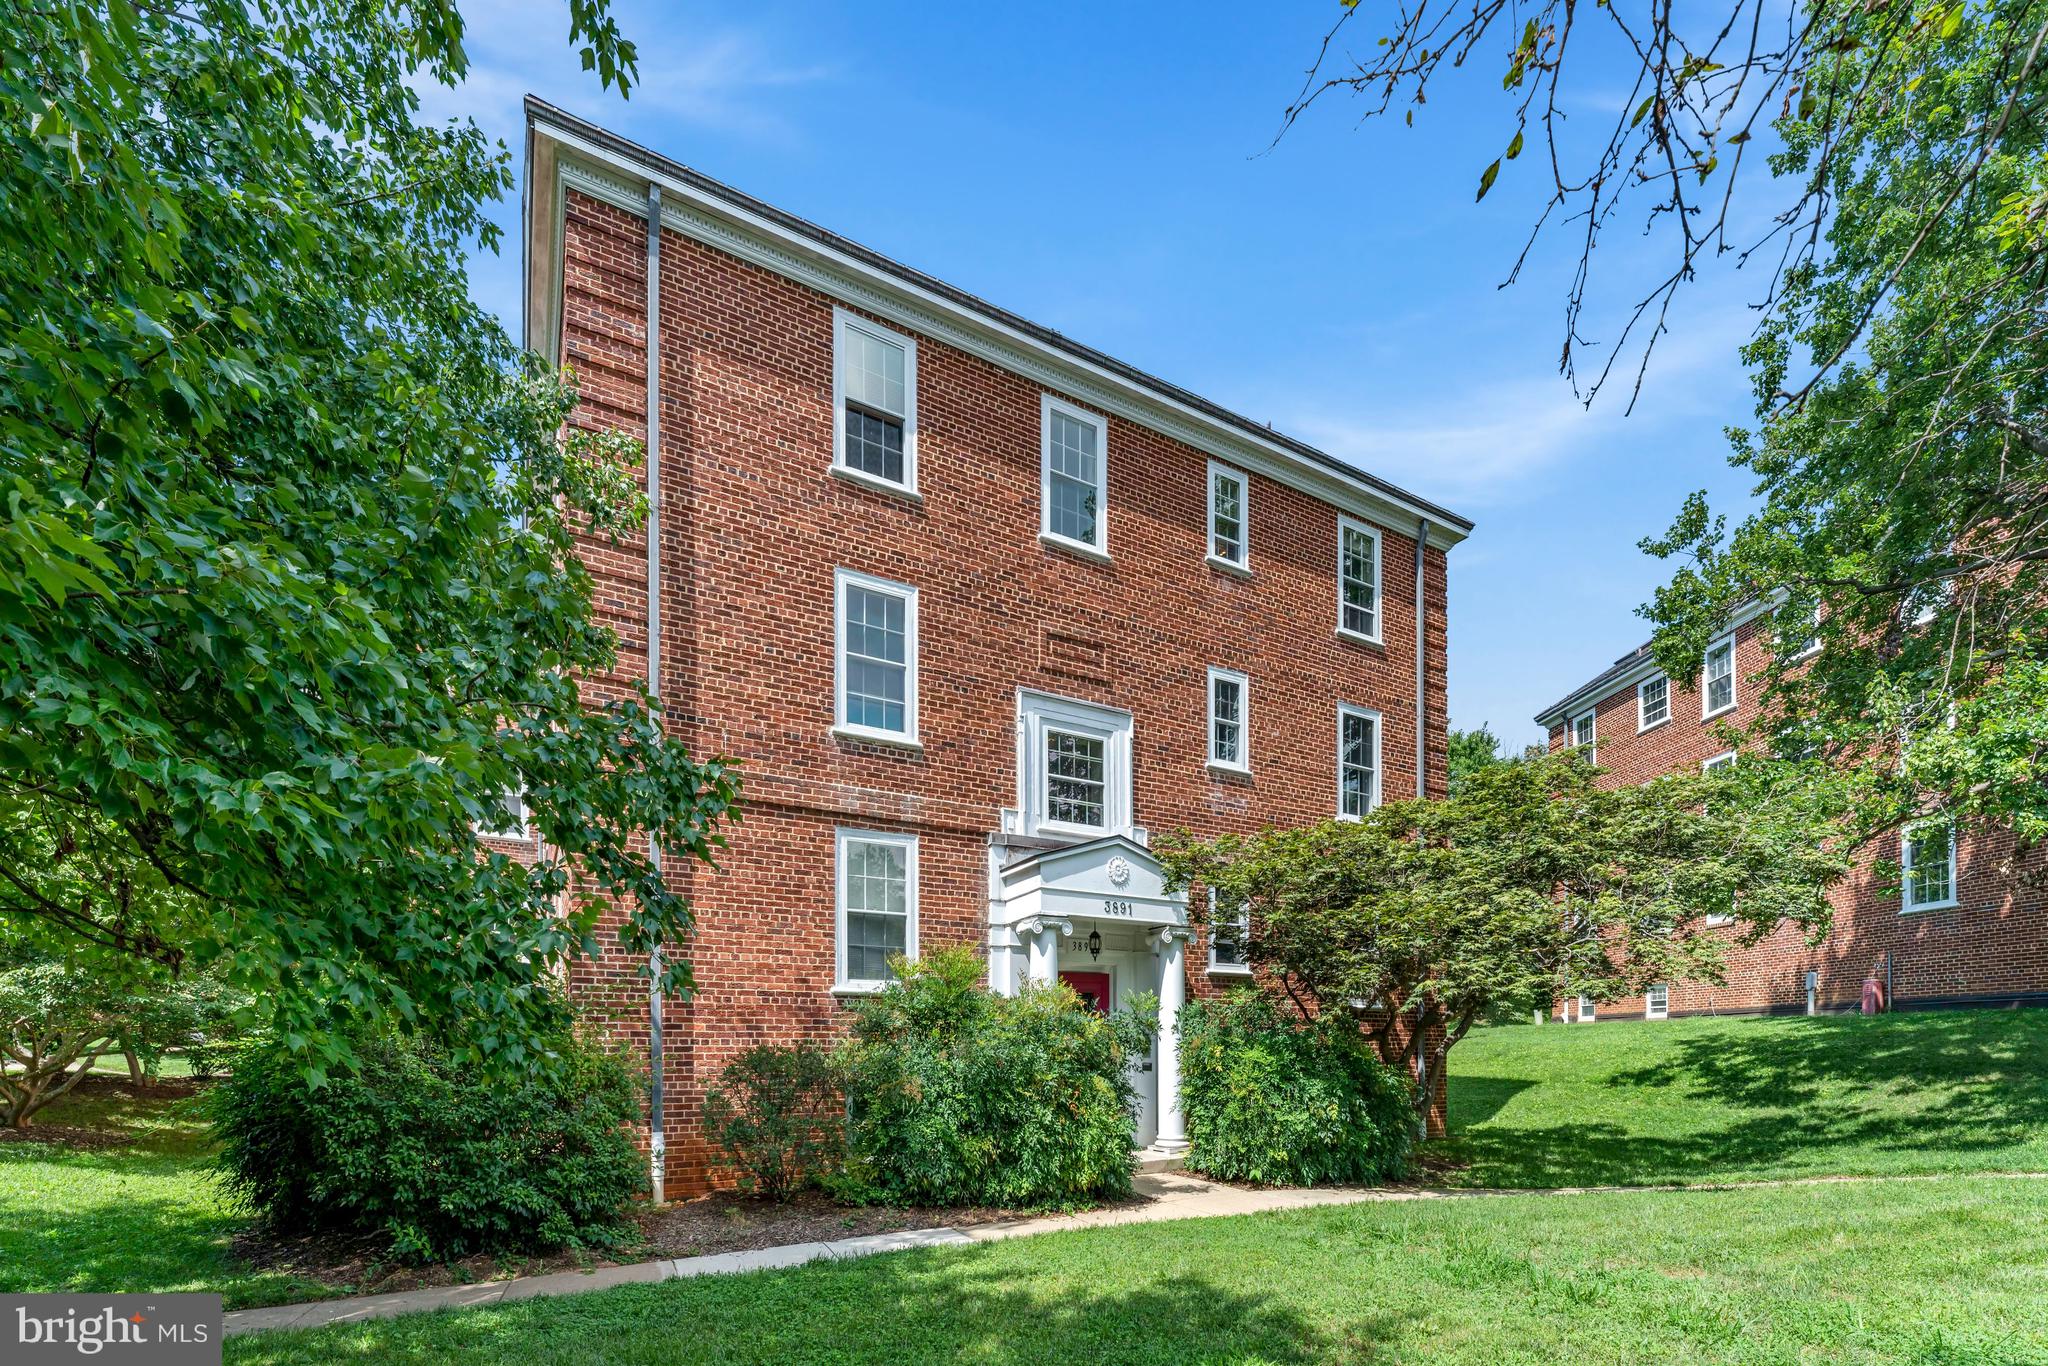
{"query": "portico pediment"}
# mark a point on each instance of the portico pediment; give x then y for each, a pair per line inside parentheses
(1113, 879)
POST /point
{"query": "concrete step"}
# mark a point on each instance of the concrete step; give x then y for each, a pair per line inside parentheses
(1161, 1159)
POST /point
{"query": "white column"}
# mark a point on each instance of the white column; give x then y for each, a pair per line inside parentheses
(1042, 939)
(1171, 950)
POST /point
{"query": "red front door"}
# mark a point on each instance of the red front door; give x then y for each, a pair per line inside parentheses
(1091, 987)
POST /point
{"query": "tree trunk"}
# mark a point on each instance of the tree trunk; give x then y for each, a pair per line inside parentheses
(136, 1076)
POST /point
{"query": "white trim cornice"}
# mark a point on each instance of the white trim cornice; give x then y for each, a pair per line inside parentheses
(604, 174)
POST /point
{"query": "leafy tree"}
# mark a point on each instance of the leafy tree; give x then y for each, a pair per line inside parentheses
(56, 1021)
(1470, 751)
(1530, 883)
(1901, 451)
(289, 596)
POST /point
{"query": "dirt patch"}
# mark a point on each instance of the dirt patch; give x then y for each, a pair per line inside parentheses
(721, 1222)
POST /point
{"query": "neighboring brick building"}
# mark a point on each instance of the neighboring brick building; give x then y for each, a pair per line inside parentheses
(974, 606)
(1961, 927)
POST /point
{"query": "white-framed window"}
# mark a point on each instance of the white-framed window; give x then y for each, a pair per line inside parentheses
(1585, 736)
(1074, 766)
(1588, 1012)
(1229, 721)
(1229, 927)
(876, 675)
(1073, 448)
(1927, 866)
(1653, 703)
(1229, 517)
(877, 916)
(509, 821)
(1717, 679)
(1809, 643)
(874, 403)
(1725, 759)
(1657, 1002)
(1358, 580)
(1358, 761)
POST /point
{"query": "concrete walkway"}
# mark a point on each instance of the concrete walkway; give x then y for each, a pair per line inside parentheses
(1170, 1195)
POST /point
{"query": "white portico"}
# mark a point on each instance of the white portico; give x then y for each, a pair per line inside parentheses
(1097, 915)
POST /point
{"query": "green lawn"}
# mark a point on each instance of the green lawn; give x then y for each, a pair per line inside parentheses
(1649, 1102)
(1950, 1272)
(142, 1217)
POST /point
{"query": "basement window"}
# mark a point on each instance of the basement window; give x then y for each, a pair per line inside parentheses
(1657, 1002)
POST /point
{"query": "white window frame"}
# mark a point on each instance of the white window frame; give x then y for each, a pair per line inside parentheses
(844, 836)
(1591, 744)
(1812, 645)
(908, 737)
(1243, 763)
(1589, 1010)
(1707, 679)
(1039, 712)
(1242, 564)
(1655, 1008)
(505, 805)
(1907, 905)
(842, 323)
(1047, 406)
(1722, 760)
(1242, 923)
(1643, 721)
(1379, 596)
(1379, 780)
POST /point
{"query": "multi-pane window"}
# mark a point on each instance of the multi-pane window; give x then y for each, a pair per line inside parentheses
(1074, 469)
(1073, 766)
(1076, 779)
(1358, 761)
(1585, 738)
(1657, 1002)
(877, 657)
(1717, 685)
(1719, 761)
(1227, 706)
(1653, 702)
(1358, 579)
(1587, 1010)
(875, 375)
(877, 905)
(508, 821)
(1927, 866)
(1229, 927)
(1227, 515)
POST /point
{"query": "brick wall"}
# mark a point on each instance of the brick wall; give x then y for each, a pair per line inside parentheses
(1991, 948)
(753, 526)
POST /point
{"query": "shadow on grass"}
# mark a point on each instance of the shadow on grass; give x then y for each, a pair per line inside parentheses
(1755, 1097)
(907, 1307)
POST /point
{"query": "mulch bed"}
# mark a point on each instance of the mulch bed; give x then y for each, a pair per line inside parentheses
(721, 1222)
(100, 1087)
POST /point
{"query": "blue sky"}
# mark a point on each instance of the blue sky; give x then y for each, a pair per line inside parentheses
(1105, 170)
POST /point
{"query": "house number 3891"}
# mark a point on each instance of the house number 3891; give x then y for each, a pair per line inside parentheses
(1116, 907)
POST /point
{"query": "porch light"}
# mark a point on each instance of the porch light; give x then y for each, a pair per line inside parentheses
(1095, 943)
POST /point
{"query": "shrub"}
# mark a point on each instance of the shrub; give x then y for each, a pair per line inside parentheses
(418, 1145)
(1279, 1102)
(777, 1118)
(958, 1096)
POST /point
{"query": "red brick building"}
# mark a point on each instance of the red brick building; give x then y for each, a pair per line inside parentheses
(1960, 926)
(975, 607)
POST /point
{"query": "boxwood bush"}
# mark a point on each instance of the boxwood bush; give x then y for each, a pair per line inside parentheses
(421, 1147)
(1277, 1101)
(958, 1096)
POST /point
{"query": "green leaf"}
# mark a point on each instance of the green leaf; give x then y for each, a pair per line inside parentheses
(1486, 179)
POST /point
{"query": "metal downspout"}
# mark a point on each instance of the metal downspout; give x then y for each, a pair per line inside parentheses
(657, 1146)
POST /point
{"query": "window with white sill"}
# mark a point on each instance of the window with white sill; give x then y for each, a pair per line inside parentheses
(1358, 761)
(1358, 580)
(1229, 704)
(1717, 679)
(1657, 1002)
(874, 381)
(1073, 766)
(1229, 928)
(1229, 516)
(1073, 467)
(1653, 702)
(877, 903)
(877, 658)
(1927, 866)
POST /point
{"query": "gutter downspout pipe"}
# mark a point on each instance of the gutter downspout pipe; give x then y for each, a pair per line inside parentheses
(1421, 656)
(657, 1143)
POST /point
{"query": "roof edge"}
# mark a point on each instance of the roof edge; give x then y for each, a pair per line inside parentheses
(557, 139)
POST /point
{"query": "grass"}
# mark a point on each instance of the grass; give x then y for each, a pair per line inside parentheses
(1940, 1272)
(142, 1217)
(1679, 1101)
